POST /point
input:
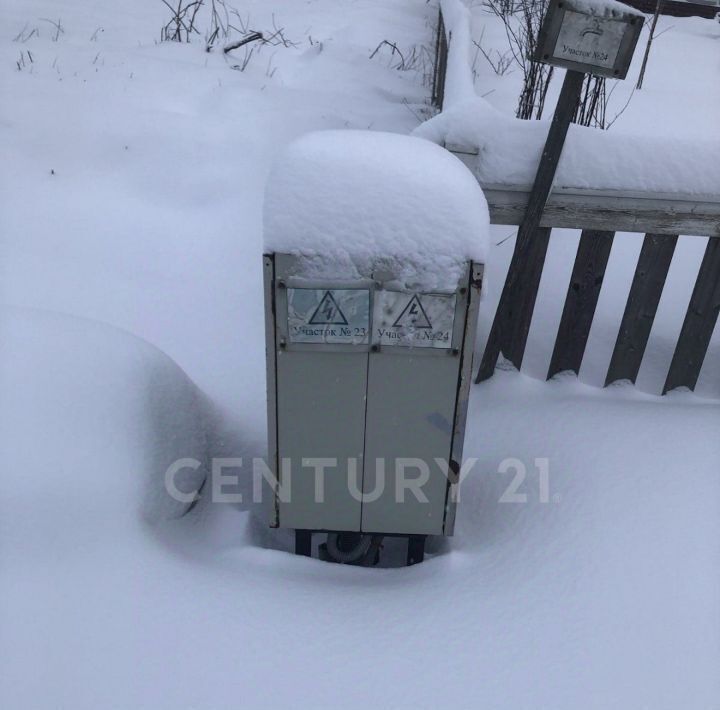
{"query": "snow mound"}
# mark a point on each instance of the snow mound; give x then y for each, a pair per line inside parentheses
(509, 151)
(351, 202)
(92, 417)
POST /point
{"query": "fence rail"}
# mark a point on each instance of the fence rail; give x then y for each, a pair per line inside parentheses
(600, 215)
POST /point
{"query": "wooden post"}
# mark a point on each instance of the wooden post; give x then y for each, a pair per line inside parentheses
(512, 319)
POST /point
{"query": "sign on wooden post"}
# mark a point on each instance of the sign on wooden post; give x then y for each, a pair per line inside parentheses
(585, 37)
(594, 37)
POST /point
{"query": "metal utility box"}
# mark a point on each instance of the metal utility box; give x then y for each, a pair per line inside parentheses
(367, 390)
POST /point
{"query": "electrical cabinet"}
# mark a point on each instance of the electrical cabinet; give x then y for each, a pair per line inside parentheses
(367, 399)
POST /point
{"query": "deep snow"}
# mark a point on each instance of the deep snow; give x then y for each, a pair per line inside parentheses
(603, 596)
(131, 194)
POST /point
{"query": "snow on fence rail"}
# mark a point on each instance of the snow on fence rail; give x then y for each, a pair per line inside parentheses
(635, 186)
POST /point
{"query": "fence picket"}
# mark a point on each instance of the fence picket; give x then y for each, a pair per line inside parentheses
(440, 68)
(642, 303)
(511, 325)
(700, 319)
(581, 300)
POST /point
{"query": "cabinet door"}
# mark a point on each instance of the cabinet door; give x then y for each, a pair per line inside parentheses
(321, 354)
(413, 376)
(321, 415)
(411, 407)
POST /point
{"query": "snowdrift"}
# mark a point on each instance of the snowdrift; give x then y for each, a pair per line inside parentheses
(91, 419)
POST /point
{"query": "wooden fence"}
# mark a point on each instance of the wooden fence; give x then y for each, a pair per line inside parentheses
(600, 215)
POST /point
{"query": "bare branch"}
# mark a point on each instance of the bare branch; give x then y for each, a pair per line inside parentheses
(235, 45)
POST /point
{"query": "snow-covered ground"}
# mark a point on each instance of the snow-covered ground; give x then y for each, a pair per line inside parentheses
(131, 211)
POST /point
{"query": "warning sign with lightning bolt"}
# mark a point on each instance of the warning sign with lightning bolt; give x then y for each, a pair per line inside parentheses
(413, 315)
(416, 320)
(328, 312)
(330, 316)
